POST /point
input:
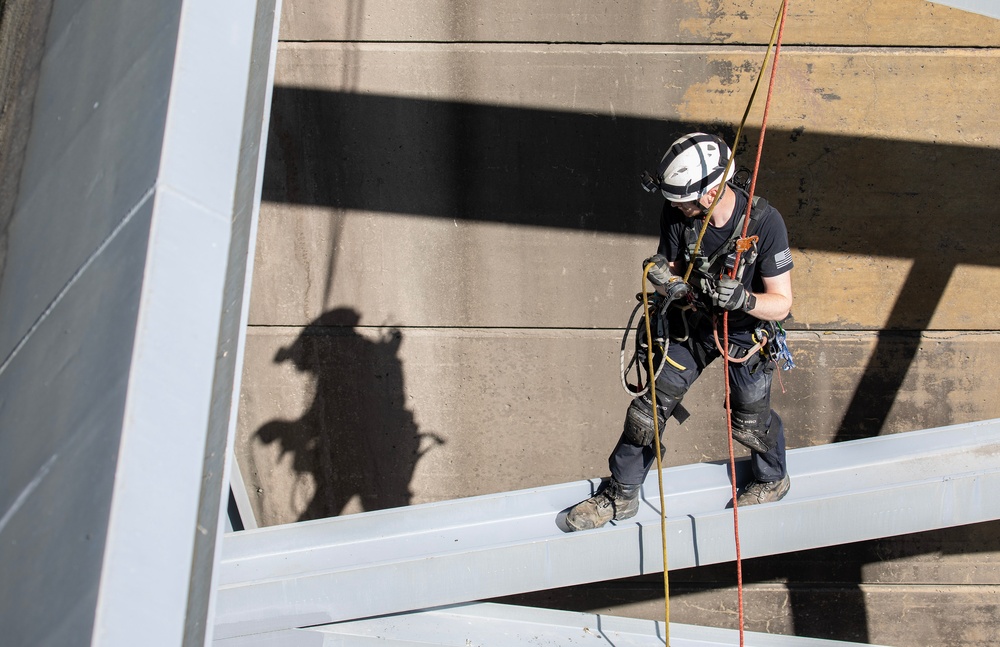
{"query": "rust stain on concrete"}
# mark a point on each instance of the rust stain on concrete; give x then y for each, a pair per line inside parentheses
(847, 22)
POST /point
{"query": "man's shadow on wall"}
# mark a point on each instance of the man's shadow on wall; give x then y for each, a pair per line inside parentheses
(357, 439)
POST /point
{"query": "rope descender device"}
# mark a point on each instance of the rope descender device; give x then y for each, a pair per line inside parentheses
(744, 245)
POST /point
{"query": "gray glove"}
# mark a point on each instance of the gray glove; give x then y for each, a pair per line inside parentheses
(659, 274)
(731, 295)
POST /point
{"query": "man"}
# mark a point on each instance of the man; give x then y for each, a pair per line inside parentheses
(690, 177)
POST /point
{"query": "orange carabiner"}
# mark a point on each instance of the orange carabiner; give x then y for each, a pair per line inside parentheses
(745, 244)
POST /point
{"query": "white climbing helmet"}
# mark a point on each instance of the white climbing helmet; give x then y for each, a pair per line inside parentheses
(691, 166)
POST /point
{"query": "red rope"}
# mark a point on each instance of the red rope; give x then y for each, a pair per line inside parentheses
(725, 320)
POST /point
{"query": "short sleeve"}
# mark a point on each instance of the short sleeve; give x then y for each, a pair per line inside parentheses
(775, 254)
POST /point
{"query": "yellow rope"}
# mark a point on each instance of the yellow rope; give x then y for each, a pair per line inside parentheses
(659, 457)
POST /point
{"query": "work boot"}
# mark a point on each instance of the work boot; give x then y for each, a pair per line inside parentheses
(764, 492)
(612, 501)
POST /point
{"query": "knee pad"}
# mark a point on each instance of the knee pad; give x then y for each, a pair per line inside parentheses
(639, 429)
(752, 426)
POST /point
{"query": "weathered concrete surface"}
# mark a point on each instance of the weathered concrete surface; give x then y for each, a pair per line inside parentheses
(513, 207)
(450, 243)
(338, 419)
(22, 34)
(846, 22)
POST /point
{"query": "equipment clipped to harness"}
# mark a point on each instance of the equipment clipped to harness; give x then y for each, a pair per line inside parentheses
(704, 270)
(769, 348)
(773, 346)
(777, 348)
(659, 328)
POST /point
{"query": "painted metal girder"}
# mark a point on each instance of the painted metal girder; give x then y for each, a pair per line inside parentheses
(503, 625)
(989, 8)
(416, 557)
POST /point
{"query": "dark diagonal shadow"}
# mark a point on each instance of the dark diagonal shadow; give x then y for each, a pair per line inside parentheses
(894, 351)
(576, 171)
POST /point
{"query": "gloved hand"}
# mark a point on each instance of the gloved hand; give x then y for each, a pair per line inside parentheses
(659, 274)
(731, 295)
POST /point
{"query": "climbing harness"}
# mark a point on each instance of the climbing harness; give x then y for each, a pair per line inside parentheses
(737, 252)
(654, 320)
(770, 348)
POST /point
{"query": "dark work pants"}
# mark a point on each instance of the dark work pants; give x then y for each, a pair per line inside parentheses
(630, 463)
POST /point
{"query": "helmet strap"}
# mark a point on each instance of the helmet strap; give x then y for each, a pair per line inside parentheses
(704, 210)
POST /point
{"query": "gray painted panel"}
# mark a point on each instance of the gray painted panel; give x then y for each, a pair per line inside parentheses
(62, 402)
(148, 502)
(475, 624)
(105, 52)
(985, 7)
(165, 426)
(88, 160)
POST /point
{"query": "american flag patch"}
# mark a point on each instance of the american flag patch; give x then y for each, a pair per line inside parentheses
(783, 258)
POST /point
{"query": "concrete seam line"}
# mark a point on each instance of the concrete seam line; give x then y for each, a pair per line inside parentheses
(23, 496)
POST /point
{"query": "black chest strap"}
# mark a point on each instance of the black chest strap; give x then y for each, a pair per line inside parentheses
(706, 264)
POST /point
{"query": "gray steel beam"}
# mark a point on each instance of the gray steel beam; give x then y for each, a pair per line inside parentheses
(498, 624)
(410, 558)
(989, 8)
(239, 493)
(122, 274)
(170, 481)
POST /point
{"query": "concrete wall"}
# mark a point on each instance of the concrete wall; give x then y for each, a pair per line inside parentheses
(450, 243)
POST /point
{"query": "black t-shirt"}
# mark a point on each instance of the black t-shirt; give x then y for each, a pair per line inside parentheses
(774, 257)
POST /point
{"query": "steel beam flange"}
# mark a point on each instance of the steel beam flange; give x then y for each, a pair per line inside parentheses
(470, 549)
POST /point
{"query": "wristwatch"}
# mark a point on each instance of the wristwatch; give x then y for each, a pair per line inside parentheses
(751, 302)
